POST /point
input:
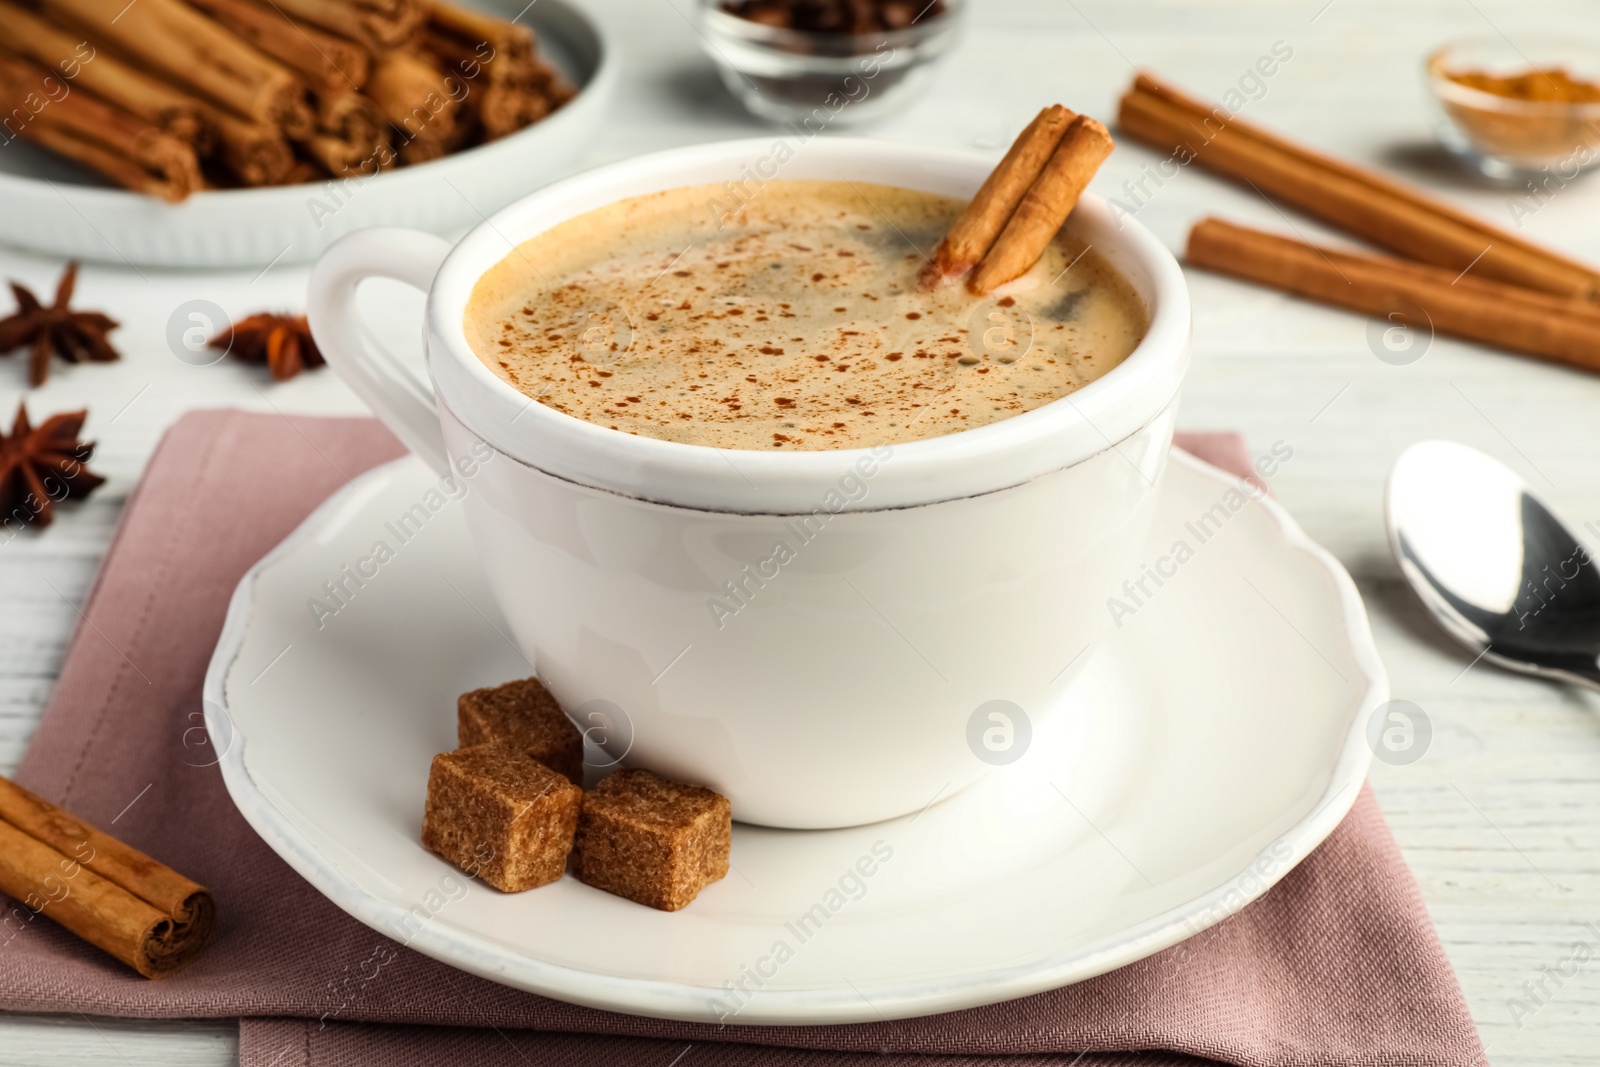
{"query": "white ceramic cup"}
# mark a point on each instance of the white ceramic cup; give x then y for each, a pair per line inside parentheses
(828, 638)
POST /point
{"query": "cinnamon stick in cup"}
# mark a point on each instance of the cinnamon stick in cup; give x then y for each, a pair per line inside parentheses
(1412, 294)
(111, 895)
(987, 213)
(1046, 205)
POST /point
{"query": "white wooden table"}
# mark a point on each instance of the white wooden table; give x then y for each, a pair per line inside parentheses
(1500, 820)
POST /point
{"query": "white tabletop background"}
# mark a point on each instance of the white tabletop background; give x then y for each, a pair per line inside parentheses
(1500, 820)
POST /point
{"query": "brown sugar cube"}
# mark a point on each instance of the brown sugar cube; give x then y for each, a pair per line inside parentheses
(652, 840)
(500, 815)
(525, 716)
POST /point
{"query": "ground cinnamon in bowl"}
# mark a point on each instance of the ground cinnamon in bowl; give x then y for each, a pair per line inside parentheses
(1552, 85)
(1522, 114)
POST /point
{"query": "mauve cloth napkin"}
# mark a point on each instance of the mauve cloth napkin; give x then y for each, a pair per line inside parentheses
(1338, 964)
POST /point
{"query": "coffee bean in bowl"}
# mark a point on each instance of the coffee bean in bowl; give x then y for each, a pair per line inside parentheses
(815, 64)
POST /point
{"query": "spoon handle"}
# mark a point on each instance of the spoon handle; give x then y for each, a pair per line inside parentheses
(1586, 673)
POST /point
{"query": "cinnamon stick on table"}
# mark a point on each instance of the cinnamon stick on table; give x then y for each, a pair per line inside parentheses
(1387, 213)
(111, 895)
(1415, 295)
(988, 211)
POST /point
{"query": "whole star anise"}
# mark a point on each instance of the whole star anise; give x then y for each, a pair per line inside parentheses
(282, 342)
(42, 467)
(72, 335)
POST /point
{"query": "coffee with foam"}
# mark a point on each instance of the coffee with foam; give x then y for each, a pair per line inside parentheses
(794, 324)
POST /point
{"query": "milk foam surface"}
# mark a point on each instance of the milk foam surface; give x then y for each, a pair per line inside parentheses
(794, 324)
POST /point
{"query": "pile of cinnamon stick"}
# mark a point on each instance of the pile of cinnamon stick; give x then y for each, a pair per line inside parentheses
(112, 895)
(1456, 273)
(169, 96)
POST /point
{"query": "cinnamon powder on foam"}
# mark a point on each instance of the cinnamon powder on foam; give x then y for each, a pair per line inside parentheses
(794, 324)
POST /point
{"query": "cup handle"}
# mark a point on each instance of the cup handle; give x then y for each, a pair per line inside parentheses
(399, 397)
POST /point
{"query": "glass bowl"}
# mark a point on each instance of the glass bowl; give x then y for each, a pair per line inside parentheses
(1513, 138)
(817, 80)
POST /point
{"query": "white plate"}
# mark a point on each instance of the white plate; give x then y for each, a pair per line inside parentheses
(54, 206)
(1217, 738)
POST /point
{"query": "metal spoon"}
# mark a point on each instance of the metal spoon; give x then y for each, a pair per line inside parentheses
(1493, 564)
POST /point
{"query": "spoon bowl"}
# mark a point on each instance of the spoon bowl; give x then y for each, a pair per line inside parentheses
(1493, 564)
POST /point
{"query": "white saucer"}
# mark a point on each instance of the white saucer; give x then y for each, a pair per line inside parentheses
(1217, 738)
